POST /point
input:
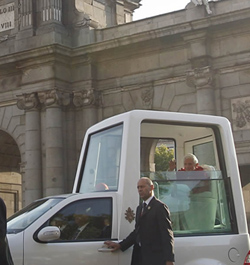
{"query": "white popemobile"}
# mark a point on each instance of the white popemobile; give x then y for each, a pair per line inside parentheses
(207, 207)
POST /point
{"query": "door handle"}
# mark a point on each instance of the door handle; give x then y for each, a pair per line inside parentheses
(104, 248)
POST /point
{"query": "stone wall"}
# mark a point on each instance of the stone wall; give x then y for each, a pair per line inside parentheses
(58, 76)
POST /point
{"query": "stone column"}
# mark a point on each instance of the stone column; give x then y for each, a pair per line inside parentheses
(202, 79)
(32, 170)
(51, 10)
(27, 19)
(26, 13)
(72, 157)
(54, 180)
(88, 101)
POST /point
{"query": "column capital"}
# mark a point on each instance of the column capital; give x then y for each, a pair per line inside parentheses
(54, 97)
(86, 98)
(200, 77)
(28, 101)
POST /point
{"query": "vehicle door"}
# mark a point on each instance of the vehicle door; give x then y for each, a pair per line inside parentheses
(74, 247)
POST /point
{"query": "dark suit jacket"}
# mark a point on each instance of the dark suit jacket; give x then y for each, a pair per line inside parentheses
(153, 232)
(5, 256)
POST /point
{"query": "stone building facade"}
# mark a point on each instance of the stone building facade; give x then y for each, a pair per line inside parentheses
(67, 64)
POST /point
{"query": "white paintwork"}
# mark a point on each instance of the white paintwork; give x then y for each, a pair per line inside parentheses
(203, 250)
(26, 251)
(229, 249)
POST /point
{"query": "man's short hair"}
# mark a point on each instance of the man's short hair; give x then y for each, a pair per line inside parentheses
(148, 180)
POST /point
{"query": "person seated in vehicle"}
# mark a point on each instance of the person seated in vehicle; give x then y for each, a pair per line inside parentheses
(202, 194)
(83, 227)
(61, 223)
(106, 231)
(191, 163)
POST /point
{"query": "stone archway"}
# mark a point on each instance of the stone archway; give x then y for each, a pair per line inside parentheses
(10, 177)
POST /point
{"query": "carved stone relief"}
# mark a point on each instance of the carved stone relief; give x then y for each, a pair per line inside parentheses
(86, 98)
(54, 97)
(147, 98)
(28, 101)
(241, 113)
(200, 77)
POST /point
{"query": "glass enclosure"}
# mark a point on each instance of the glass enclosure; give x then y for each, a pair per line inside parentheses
(198, 200)
(101, 171)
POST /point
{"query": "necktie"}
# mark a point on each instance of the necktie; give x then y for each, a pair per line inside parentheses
(143, 208)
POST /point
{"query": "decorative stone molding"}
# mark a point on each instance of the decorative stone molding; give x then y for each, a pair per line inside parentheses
(147, 98)
(86, 22)
(86, 98)
(241, 113)
(4, 38)
(54, 97)
(200, 77)
(28, 101)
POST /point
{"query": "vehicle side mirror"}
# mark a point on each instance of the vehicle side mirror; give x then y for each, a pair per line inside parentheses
(49, 233)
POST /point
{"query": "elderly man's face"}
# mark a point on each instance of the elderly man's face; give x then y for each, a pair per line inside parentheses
(144, 189)
(189, 164)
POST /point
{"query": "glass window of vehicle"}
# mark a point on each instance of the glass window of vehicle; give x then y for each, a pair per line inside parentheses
(101, 171)
(198, 200)
(88, 219)
(25, 217)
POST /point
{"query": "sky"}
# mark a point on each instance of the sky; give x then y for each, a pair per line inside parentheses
(150, 8)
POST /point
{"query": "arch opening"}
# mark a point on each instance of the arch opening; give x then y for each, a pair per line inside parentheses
(10, 176)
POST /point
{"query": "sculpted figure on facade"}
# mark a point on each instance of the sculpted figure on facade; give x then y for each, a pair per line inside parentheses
(203, 2)
(54, 97)
(200, 77)
(86, 97)
(28, 101)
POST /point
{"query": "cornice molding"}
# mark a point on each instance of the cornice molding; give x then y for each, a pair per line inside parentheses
(46, 53)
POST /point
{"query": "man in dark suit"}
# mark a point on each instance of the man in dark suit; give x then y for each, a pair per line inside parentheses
(153, 236)
(83, 228)
(5, 256)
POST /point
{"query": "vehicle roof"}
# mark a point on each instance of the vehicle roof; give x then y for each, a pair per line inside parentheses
(140, 115)
(62, 196)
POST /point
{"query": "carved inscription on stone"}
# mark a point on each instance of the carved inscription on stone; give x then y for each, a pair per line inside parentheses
(7, 17)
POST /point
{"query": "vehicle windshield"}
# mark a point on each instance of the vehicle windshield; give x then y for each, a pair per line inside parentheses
(102, 166)
(22, 219)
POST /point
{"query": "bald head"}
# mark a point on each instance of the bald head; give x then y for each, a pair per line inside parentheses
(145, 188)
